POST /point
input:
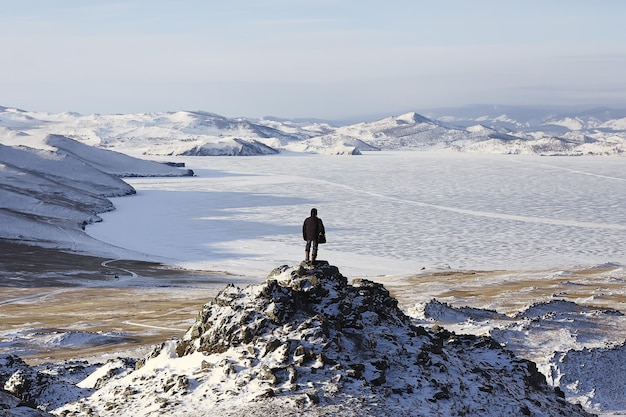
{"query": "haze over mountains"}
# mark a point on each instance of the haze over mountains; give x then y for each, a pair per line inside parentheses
(486, 129)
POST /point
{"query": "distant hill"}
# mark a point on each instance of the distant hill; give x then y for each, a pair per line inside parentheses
(484, 129)
(50, 190)
(526, 118)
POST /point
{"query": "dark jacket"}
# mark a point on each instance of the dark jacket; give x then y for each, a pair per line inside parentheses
(311, 228)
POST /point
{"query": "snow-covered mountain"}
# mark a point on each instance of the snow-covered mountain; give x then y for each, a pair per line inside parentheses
(305, 341)
(50, 192)
(179, 133)
(68, 164)
(530, 119)
(486, 129)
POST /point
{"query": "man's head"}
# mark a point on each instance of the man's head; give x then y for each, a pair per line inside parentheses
(314, 212)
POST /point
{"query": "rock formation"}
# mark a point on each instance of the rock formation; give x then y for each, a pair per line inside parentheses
(306, 342)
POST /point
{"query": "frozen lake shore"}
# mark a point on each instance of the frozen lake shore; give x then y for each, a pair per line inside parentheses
(386, 213)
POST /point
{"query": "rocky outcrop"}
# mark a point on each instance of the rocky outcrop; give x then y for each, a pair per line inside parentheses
(306, 333)
(12, 406)
(306, 342)
(28, 391)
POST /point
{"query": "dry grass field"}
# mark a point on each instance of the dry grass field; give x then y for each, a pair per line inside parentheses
(47, 294)
(511, 291)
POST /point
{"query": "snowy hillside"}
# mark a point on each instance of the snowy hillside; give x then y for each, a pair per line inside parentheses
(501, 130)
(597, 131)
(48, 194)
(179, 133)
(527, 118)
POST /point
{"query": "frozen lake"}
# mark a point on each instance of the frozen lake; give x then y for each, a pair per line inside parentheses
(385, 213)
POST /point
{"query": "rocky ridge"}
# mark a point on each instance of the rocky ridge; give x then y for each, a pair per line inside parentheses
(306, 342)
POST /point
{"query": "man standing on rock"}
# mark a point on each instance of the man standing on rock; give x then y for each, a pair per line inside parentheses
(312, 228)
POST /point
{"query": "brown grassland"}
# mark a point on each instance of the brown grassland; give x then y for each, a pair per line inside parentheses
(49, 291)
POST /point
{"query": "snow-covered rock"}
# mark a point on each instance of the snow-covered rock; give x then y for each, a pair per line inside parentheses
(29, 391)
(595, 377)
(306, 342)
(565, 339)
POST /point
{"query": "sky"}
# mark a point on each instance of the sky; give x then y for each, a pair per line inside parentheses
(328, 59)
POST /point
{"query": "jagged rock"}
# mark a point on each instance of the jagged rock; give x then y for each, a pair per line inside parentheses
(353, 331)
(11, 406)
(320, 300)
(23, 389)
(266, 374)
(42, 387)
(7, 400)
(308, 338)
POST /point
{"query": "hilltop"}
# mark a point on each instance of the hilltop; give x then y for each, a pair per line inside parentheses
(305, 342)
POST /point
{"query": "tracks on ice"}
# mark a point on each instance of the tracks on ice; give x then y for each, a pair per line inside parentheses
(486, 214)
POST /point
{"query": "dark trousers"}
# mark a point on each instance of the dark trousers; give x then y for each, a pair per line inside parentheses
(309, 244)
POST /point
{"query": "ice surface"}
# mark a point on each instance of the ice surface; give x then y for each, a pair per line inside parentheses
(385, 213)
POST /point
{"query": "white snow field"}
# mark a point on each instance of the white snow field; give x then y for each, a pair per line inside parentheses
(386, 213)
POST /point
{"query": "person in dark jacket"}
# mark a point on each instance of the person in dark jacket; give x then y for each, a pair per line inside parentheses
(311, 230)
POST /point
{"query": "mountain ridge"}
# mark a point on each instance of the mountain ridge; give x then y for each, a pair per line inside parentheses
(514, 130)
